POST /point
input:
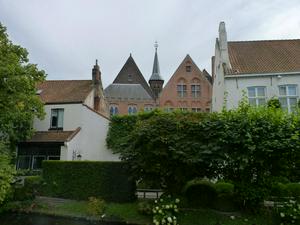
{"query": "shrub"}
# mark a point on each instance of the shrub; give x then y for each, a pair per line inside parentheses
(32, 186)
(96, 206)
(82, 179)
(200, 193)
(226, 199)
(279, 190)
(289, 213)
(145, 207)
(293, 189)
(224, 188)
(165, 210)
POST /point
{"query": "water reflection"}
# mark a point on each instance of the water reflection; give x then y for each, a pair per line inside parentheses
(33, 219)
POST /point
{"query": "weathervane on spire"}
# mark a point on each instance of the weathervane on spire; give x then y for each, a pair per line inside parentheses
(155, 45)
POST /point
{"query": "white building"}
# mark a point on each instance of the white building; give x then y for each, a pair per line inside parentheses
(75, 125)
(260, 70)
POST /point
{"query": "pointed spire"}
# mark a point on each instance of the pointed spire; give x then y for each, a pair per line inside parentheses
(156, 71)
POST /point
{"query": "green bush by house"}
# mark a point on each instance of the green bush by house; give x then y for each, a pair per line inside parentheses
(83, 179)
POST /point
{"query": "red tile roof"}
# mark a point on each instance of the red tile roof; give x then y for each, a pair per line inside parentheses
(64, 91)
(53, 136)
(270, 56)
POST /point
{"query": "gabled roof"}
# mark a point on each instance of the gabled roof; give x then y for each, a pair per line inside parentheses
(53, 136)
(268, 56)
(126, 91)
(64, 91)
(136, 77)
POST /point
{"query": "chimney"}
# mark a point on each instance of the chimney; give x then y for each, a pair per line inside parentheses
(223, 45)
(97, 85)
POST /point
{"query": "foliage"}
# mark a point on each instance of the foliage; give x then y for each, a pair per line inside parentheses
(145, 207)
(18, 100)
(224, 187)
(200, 193)
(289, 213)
(106, 180)
(274, 103)
(96, 206)
(250, 147)
(293, 189)
(165, 210)
(7, 172)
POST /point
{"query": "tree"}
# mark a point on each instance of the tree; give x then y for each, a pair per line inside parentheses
(19, 102)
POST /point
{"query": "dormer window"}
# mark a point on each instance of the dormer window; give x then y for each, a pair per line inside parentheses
(188, 68)
(57, 119)
(129, 77)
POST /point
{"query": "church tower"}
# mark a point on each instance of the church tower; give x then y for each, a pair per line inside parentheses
(155, 81)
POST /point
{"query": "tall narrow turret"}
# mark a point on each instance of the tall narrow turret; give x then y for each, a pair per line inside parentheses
(156, 82)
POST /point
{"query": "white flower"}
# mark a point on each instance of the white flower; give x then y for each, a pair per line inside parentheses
(175, 210)
(155, 201)
(170, 219)
(175, 206)
(167, 206)
(282, 214)
(154, 211)
(161, 200)
(177, 200)
(156, 208)
(232, 217)
(159, 211)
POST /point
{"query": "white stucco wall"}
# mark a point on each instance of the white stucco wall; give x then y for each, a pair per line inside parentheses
(90, 100)
(72, 117)
(235, 86)
(90, 141)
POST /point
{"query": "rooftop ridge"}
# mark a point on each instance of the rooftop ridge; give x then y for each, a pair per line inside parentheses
(270, 40)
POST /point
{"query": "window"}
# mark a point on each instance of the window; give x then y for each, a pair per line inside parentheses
(168, 109)
(181, 90)
(148, 108)
(195, 90)
(188, 68)
(288, 96)
(129, 77)
(37, 162)
(113, 110)
(23, 162)
(183, 109)
(132, 110)
(196, 109)
(57, 118)
(257, 96)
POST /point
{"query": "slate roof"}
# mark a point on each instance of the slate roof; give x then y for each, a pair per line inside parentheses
(64, 91)
(268, 56)
(126, 91)
(130, 68)
(53, 136)
(155, 71)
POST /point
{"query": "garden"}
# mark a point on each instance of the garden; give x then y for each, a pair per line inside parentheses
(235, 167)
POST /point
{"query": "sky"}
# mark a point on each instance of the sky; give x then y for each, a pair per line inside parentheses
(64, 37)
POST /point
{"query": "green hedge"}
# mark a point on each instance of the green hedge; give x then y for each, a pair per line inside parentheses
(83, 179)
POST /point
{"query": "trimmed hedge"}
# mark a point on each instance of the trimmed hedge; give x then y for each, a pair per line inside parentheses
(83, 179)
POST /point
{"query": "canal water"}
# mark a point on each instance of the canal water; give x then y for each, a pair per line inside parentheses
(35, 219)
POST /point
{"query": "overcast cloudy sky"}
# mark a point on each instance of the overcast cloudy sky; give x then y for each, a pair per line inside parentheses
(64, 37)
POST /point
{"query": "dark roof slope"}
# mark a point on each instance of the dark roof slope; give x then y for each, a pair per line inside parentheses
(64, 91)
(136, 77)
(269, 56)
(53, 136)
(126, 91)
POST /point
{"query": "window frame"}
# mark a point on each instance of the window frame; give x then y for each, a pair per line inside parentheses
(196, 93)
(287, 96)
(115, 110)
(181, 90)
(57, 127)
(132, 109)
(256, 97)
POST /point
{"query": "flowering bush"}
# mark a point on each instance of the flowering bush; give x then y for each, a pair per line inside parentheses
(165, 210)
(289, 213)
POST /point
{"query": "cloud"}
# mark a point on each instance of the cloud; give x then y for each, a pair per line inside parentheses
(65, 37)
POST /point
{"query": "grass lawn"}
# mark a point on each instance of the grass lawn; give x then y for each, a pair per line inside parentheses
(129, 212)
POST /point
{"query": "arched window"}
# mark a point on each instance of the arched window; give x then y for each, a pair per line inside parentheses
(181, 88)
(132, 109)
(113, 109)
